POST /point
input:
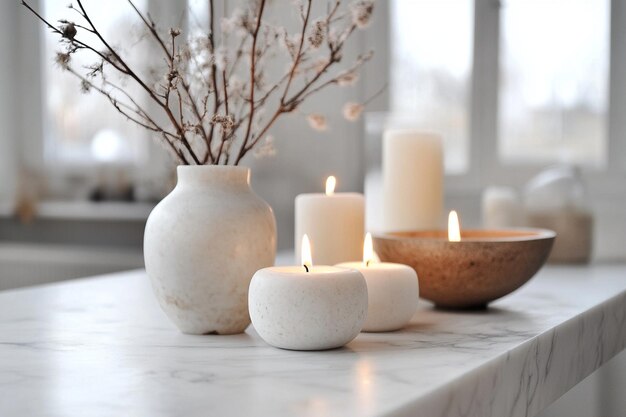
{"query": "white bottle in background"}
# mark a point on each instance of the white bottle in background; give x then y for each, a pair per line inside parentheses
(501, 208)
(556, 199)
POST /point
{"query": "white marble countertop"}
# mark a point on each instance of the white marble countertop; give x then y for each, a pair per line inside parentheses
(102, 347)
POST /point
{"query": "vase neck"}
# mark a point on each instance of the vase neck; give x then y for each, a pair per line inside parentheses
(213, 176)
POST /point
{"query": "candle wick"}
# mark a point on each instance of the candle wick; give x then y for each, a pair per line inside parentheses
(306, 268)
(368, 262)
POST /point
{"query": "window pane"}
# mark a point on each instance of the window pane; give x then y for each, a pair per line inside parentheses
(553, 82)
(84, 127)
(199, 15)
(431, 69)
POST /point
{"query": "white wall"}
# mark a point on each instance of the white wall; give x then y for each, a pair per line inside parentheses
(8, 108)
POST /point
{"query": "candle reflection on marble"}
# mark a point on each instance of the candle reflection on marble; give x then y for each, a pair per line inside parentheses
(464, 269)
(307, 307)
(366, 387)
(392, 289)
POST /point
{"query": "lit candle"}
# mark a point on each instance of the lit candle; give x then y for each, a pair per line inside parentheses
(454, 227)
(412, 180)
(307, 307)
(392, 289)
(471, 268)
(335, 223)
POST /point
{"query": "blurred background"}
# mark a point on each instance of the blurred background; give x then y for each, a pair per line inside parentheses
(514, 86)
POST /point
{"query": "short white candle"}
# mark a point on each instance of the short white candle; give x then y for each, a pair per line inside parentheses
(412, 180)
(307, 307)
(393, 291)
(335, 223)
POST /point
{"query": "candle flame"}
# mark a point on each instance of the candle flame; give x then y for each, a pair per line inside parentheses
(454, 229)
(307, 260)
(368, 250)
(331, 182)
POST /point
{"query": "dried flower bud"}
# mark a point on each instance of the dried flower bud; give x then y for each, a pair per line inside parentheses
(227, 24)
(62, 59)
(247, 20)
(172, 77)
(236, 87)
(316, 38)
(362, 12)
(347, 78)
(365, 56)
(317, 122)
(320, 64)
(290, 66)
(85, 87)
(352, 111)
(221, 58)
(266, 148)
(68, 31)
(291, 42)
(174, 32)
(298, 4)
(240, 21)
(226, 122)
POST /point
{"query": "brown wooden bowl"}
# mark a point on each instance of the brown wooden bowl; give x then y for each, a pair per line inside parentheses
(483, 266)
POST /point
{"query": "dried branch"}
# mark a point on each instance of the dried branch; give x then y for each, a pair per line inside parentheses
(205, 91)
(253, 57)
(296, 61)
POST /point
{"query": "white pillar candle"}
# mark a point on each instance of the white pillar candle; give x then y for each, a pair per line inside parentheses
(334, 222)
(374, 201)
(392, 289)
(501, 208)
(413, 180)
(307, 307)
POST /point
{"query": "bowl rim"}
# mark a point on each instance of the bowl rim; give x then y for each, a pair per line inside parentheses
(518, 234)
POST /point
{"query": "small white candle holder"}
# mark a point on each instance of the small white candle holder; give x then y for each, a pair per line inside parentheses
(322, 308)
(393, 291)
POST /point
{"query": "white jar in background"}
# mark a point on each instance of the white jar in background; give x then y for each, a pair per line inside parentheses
(556, 199)
(501, 208)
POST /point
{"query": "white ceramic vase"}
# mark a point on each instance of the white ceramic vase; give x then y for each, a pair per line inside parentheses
(202, 245)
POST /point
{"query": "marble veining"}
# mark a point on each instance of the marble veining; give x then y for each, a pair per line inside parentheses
(102, 347)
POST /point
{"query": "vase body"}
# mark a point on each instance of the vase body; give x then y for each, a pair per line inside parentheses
(202, 245)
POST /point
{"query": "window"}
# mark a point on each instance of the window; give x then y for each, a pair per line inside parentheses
(431, 70)
(554, 71)
(82, 127)
(545, 99)
(198, 15)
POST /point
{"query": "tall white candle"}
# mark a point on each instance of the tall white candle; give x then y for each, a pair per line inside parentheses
(334, 222)
(413, 180)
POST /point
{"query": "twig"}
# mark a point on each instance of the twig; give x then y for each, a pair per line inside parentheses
(296, 61)
(190, 110)
(252, 86)
(134, 76)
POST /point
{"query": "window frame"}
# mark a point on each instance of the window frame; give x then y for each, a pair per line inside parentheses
(484, 161)
(31, 123)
